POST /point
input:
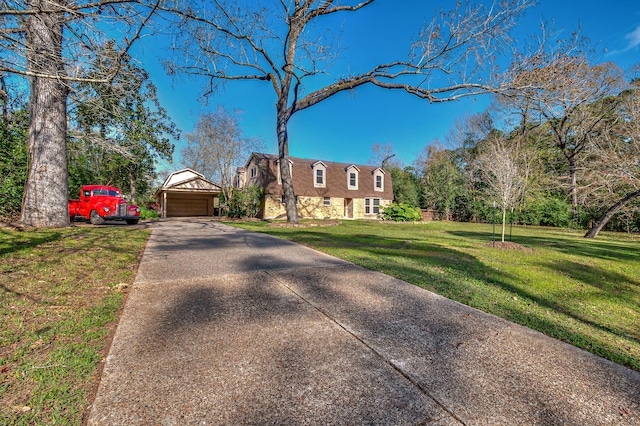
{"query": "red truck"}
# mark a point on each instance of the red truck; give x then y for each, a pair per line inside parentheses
(98, 203)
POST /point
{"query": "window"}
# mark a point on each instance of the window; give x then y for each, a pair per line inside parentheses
(378, 180)
(278, 171)
(319, 174)
(254, 172)
(352, 177)
(371, 205)
(104, 192)
(326, 201)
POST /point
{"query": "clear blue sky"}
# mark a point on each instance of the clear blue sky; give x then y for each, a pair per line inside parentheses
(345, 127)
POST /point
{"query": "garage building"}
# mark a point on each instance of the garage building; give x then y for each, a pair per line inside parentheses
(187, 193)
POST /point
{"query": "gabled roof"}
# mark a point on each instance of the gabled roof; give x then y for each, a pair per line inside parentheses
(180, 176)
(188, 180)
(336, 185)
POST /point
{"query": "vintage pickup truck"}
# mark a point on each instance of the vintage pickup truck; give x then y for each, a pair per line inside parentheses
(98, 203)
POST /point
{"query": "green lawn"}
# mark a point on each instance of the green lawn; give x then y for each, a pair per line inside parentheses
(60, 291)
(584, 292)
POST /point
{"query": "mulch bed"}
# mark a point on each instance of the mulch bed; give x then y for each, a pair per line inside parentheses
(508, 245)
(305, 224)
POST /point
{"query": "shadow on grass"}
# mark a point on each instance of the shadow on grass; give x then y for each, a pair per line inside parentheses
(464, 278)
(601, 249)
(15, 241)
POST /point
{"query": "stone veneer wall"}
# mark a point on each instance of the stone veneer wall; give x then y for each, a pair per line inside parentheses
(314, 208)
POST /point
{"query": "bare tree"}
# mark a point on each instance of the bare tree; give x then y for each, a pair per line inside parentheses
(501, 162)
(217, 146)
(616, 155)
(278, 42)
(382, 156)
(53, 44)
(560, 88)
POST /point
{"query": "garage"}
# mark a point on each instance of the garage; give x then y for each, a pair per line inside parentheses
(181, 205)
(187, 193)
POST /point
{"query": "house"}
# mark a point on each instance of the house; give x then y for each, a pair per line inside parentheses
(187, 193)
(323, 189)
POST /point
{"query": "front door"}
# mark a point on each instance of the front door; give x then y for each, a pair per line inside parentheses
(348, 208)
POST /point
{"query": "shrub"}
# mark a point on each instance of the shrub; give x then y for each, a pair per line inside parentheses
(401, 212)
(245, 202)
(548, 211)
(146, 213)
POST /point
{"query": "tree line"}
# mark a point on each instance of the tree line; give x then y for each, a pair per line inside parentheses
(55, 45)
(567, 155)
(91, 111)
(116, 133)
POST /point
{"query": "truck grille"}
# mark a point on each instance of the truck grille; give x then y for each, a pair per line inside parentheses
(122, 210)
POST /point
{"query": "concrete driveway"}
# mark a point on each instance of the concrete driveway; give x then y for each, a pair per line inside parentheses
(224, 326)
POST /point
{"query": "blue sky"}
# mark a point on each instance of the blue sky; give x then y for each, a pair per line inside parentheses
(345, 127)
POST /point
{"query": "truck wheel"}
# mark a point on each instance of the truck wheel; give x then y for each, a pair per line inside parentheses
(95, 218)
(132, 221)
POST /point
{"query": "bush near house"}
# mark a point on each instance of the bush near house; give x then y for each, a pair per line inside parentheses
(401, 212)
(146, 213)
(245, 202)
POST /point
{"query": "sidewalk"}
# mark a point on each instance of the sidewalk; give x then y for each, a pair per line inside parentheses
(224, 326)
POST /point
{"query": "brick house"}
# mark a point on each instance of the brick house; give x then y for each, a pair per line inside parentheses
(324, 189)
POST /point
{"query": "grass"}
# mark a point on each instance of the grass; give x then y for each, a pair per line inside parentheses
(584, 292)
(60, 291)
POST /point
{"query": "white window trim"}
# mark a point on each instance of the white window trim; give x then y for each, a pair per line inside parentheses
(319, 174)
(319, 165)
(370, 206)
(356, 170)
(376, 173)
(326, 201)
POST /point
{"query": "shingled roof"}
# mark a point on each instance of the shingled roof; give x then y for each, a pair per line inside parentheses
(336, 178)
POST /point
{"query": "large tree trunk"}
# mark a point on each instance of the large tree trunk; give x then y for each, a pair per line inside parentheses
(132, 187)
(285, 170)
(606, 217)
(46, 192)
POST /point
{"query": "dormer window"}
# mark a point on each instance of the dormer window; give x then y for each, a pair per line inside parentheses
(378, 180)
(352, 177)
(278, 171)
(240, 177)
(319, 174)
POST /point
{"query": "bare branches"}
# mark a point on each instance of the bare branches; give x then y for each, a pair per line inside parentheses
(85, 27)
(280, 43)
(458, 45)
(217, 146)
(560, 86)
